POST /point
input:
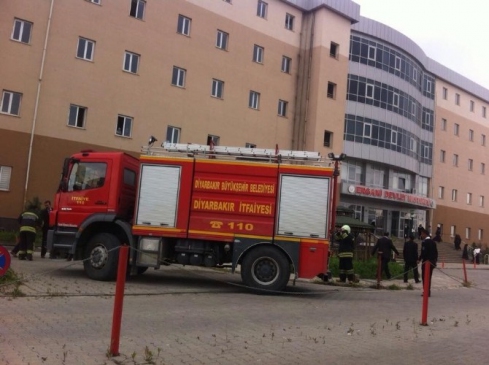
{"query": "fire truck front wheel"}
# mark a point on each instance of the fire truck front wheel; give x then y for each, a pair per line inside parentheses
(101, 257)
(265, 268)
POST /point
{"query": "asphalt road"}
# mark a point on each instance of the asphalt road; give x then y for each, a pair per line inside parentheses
(187, 316)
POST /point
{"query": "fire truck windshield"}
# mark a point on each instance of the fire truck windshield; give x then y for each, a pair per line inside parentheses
(87, 175)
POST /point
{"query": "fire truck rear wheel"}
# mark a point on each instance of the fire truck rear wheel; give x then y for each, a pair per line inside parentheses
(265, 268)
(101, 257)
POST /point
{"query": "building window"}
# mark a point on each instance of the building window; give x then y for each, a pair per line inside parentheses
(327, 138)
(445, 93)
(286, 64)
(457, 99)
(455, 160)
(369, 91)
(412, 144)
(441, 192)
(471, 135)
(173, 134)
(254, 100)
(183, 26)
(258, 54)
(333, 50)
(289, 21)
(77, 116)
(212, 139)
(480, 234)
(85, 49)
(395, 99)
(22, 31)
(11, 102)
(456, 129)
(353, 172)
(178, 77)
(481, 201)
(222, 40)
(262, 9)
(250, 145)
(442, 156)
(393, 137)
(452, 231)
(5, 174)
(282, 108)
(467, 232)
(137, 9)
(331, 90)
(426, 152)
(443, 124)
(124, 126)
(217, 88)
(367, 130)
(428, 86)
(95, 2)
(371, 52)
(484, 112)
(397, 63)
(413, 109)
(472, 105)
(470, 164)
(469, 198)
(483, 139)
(131, 62)
(454, 195)
(415, 74)
(483, 168)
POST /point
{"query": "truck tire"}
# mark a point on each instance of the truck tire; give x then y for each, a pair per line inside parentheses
(265, 267)
(101, 258)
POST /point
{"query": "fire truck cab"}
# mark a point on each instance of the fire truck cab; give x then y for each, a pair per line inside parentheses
(265, 210)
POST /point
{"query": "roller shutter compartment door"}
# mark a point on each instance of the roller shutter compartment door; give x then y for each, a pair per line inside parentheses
(158, 195)
(303, 206)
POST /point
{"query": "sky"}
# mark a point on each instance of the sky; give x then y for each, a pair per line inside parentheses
(452, 32)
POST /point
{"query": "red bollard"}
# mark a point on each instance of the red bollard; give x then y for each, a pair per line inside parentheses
(465, 270)
(426, 288)
(379, 270)
(118, 300)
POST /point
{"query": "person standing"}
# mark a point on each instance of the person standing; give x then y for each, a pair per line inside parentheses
(420, 227)
(437, 234)
(28, 222)
(45, 227)
(345, 253)
(410, 254)
(385, 247)
(457, 242)
(429, 252)
(406, 232)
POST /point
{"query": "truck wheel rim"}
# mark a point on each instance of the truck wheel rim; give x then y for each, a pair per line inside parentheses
(99, 257)
(265, 271)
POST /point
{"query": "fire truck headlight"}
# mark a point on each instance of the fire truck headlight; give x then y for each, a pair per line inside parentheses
(149, 244)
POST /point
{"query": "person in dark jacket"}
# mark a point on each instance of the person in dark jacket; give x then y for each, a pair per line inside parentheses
(410, 254)
(28, 221)
(45, 227)
(437, 234)
(420, 228)
(465, 252)
(406, 232)
(429, 252)
(345, 253)
(385, 247)
(457, 242)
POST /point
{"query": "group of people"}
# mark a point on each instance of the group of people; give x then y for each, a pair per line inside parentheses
(384, 246)
(29, 223)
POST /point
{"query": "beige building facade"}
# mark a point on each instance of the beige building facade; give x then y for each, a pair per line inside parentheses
(99, 74)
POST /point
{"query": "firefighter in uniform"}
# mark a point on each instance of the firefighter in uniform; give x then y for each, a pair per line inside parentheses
(345, 253)
(28, 222)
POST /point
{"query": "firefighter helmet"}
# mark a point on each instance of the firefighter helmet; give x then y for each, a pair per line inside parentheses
(346, 228)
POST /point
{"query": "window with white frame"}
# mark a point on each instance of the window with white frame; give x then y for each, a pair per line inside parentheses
(441, 192)
(470, 164)
(367, 130)
(286, 61)
(262, 8)
(289, 21)
(445, 93)
(377, 176)
(331, 93)
(455, 159)
(484, 111)
(217, 88)
(469, 198)
(426, 151)
(413, 108)
(250, 145)
(480, 234)
(254, 100)
(442, 155)
(471, 135)
(412, 144)
(333, 49)
(10, 102)
(85, 49)
(178, 76)
(481, 201)
(454, 195)
(21, 31)
(173, 134)
(428, 86)
(456, 129)
(352, 172)
(282, 108)
(77, 116)
(395, 99)
(457, 99)
(415, 74)
(222, 40)
(137, 9)
(393, 137)
(423, 186)
(369, 91)
(258, 53)
(371, 52)
(397, 63)
(131, 62)
(467, 233)
(452, 231)
(443, 124)
(483, 168)
(183, 25)
(483, 139)
(5, 175)
(124, 126)
(472, 105)
(213, 139)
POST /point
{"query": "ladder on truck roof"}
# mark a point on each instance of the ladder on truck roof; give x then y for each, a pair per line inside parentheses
(224, 151)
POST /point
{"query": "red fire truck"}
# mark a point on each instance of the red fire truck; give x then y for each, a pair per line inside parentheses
(265, 210)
